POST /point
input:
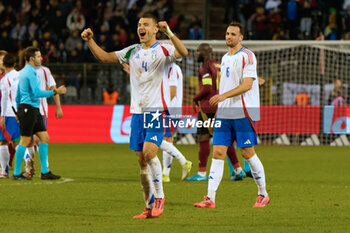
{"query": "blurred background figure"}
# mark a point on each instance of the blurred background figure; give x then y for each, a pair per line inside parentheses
(110, 95)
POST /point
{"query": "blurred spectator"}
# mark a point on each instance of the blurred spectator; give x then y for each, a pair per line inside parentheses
(65, 7)
(275, 24)
(346, 4)
(306, 20)
(272, 4)
(175, 23)
(164, 10)
(110, 96)
(195, 33)
(302, 99)
(244, 11)
(149, 7)
(18, 32)
(75, 20)
(337, 97)
(331, 29)
(72, 41)
(231, 16)
(257, 24)
(60, 22)
(62, 53)
(118, 19)
(132, 18)
(346, 20)
(292, 19)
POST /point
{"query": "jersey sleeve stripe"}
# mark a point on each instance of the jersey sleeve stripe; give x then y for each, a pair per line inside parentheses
(165, 107)
(165, 51)
(250, 56)
(127, 55)
(169, 72)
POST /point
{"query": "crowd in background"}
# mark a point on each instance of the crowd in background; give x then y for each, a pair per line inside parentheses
(291, 19)
(55, 25)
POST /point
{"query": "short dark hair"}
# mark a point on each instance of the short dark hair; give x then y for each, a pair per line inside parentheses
(30, 52)
(148, 15)
(3, 52)
(9, 61)
(237, 24)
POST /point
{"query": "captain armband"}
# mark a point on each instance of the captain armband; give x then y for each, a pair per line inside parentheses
(207, 81)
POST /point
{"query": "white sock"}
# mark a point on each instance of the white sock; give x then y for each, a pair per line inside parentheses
(31, 151)
(146, 187)
(156, 170)
(4, 158)
(238, 170)
(215, 176)
(173, 151)
(202, 173)
(167, 160)
(258, 174)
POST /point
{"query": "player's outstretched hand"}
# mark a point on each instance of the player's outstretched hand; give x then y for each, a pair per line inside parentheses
(61, 90)
(59, 112)
(216, 99)
(87, 34)
(163, 27)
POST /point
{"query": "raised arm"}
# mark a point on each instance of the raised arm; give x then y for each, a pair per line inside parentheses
(96, 50)
(180, 49)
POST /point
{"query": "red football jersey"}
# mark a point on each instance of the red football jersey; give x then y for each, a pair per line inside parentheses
(208, 79)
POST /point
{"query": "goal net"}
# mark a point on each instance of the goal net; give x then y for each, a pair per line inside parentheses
(305, 94)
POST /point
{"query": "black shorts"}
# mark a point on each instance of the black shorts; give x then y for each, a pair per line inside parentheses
(30, 120)
(204, 130)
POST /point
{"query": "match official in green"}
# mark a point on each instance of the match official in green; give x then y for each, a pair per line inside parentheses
(28, 114)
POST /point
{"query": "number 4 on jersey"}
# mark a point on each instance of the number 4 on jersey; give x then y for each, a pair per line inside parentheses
(144, 65)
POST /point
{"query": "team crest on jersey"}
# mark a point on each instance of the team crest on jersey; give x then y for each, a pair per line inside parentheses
(137, 56)
(154, 56)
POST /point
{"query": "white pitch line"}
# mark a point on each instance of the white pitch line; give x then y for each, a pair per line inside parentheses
(26, 182)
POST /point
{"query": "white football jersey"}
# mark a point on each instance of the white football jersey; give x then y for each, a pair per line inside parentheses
(147, 73)
(173, 77)
(9, 84)
(233, 69)
(46, 81)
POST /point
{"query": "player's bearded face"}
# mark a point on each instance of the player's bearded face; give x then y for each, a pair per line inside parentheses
(233, 36)
(146, 29)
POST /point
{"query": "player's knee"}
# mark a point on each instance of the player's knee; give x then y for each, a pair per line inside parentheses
(140, 159)
(248, 152)
(171, 140)
(219, 154)
(45, 139)
(148, 155)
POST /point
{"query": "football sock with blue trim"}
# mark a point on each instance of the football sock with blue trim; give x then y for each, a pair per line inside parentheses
(258, 174)
(215, 176)
(156, 175)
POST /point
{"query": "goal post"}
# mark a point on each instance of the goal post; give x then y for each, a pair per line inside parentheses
(290, 68)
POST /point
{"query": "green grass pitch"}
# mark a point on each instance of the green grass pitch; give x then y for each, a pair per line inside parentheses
(309, 189)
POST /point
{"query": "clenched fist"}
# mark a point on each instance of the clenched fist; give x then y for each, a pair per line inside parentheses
(87, 34)
(163, 27)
